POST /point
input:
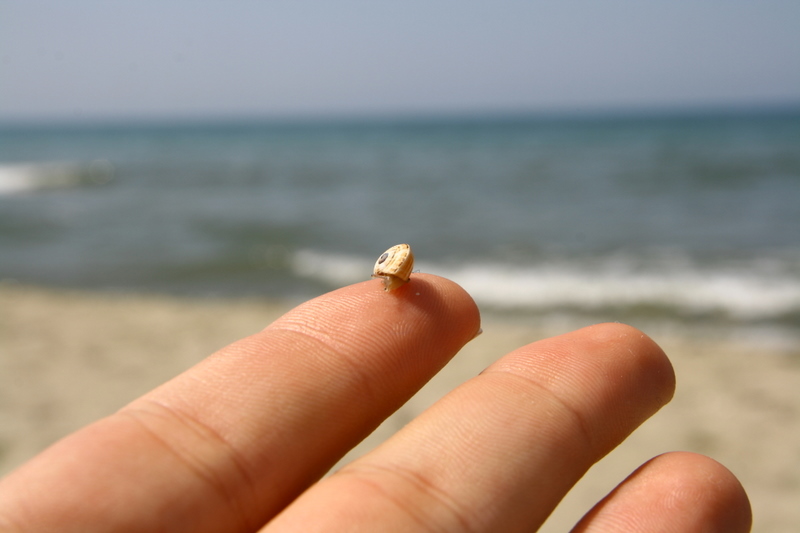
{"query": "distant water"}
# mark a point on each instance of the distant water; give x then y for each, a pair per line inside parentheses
(690, 218)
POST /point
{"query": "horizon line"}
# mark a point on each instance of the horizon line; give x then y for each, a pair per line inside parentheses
(399, 117)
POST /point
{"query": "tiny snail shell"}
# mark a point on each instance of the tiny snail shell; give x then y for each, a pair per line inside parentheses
(394, 266)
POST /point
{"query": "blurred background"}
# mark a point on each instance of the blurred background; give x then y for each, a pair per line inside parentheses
(621, 160)
(566, 162)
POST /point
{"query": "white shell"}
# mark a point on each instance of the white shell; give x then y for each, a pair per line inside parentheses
(394, 266)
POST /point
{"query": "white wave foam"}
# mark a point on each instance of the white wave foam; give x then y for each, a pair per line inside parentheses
(747, 292)
(334, 269)
(29, 177)
(740, 294)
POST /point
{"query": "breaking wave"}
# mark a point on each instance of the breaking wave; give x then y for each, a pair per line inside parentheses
(750, 290)
(30, 177)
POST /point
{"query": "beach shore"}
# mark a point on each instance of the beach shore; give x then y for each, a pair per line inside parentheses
(68, 358)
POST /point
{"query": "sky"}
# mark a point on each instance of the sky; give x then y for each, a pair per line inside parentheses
(197, 59)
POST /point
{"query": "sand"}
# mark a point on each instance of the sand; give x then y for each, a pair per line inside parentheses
(69, 357)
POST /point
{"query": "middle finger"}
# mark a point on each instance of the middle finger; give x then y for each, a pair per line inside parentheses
(499, 452)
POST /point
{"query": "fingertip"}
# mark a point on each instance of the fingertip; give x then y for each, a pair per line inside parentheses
(705, 487)
(613, 372)
(422, 285)
(677, 491)
(403, 336)
(627, 341)
(423, 297)
(451, 296)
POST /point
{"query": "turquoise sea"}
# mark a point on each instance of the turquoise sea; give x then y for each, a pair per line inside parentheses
(686, 217)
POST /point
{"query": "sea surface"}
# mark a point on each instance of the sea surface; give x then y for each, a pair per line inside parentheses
(690, 218)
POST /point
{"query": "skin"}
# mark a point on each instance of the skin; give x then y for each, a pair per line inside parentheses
(237, 442)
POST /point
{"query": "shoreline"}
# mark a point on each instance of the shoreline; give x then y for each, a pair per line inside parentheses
(68, 357)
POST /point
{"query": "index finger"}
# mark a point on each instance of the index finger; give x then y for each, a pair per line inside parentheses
(230, 442)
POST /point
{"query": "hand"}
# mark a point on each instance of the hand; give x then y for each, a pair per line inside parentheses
(239, 440)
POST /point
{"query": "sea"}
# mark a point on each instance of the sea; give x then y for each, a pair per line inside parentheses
(677, 218)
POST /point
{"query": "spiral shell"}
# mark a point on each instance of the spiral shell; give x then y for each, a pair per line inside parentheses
(394, 266)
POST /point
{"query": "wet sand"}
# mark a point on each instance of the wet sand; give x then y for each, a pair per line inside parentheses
(69, 357)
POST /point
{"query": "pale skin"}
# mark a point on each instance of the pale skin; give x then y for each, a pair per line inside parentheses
(238, 442)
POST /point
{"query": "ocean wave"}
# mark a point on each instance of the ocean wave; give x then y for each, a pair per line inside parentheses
(30, 177)
(332, 269)
(751, 290)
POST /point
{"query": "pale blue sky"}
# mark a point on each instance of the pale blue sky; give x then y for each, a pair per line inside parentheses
(87, 60)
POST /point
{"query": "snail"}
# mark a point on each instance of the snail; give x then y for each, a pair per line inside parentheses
(394, 266)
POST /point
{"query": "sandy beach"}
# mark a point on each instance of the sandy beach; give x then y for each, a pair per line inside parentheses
(69, 357)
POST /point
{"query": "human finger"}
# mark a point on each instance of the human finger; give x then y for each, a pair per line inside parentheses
(499, 452)
(675, 492)
(227, 444)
